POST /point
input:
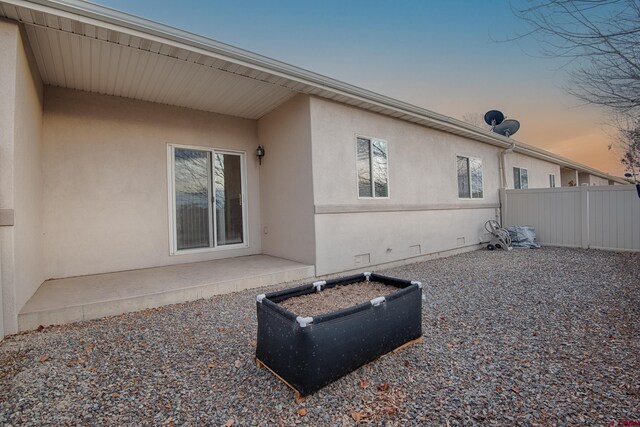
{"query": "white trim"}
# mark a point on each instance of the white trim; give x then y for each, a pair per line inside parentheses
(470, 198)
(211, 151)
(171, 205)
(373, 191)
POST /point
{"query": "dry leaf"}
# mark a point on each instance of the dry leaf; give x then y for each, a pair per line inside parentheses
(364, 383)
(357, 416)
(238, 364)
(211, 365)
(383, 387)
(44, 358)
(115, 395)
(90, 347)
(302, 412)
(406, 363)
(498, 388)
(229, 423)
(221, 329)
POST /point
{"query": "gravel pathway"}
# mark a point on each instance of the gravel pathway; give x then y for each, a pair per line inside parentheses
(529, 337)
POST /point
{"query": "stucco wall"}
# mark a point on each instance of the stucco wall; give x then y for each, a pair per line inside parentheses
(587, 178)
(21, 266)
(423, 213)
(105, 172)
(286, 182)
(357, 240)
(538, 170)
(569, 176)
(422, 161)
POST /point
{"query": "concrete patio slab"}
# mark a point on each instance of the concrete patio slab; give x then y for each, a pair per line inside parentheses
(74, 299)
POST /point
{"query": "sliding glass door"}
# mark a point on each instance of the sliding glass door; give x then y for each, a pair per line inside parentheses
(208, 198)
(228, 185)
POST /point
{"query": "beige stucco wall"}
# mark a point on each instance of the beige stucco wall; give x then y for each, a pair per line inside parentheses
(422, 161)
(592, 179)
(105, 171)
(286, 182)
(423, 213)
(21, 264)
(569, 176)
(538, 170)
(383, 237)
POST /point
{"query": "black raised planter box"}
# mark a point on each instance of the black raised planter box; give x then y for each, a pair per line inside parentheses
(309, 353)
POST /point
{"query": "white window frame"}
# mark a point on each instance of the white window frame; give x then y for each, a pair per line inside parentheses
(520, 171)
(173, 239)
(469, 176)
(373, 192)
(552, 180)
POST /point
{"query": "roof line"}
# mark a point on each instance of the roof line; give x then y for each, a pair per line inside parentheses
(145, 26)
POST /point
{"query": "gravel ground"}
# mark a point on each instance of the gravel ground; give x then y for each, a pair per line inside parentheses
(339, 297)
(530, 337)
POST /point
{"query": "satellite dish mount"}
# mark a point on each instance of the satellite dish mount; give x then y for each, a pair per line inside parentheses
(493, 118)
(496, 120)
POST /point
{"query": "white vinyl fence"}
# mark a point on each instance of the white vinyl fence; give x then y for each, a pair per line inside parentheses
(588, 217)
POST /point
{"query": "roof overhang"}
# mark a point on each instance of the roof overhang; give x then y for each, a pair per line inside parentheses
(85, 46)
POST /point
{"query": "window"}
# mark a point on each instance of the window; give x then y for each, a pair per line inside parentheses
(373, 180)
(207, 188)
(520, 178)
(552, 181)
(469, 178)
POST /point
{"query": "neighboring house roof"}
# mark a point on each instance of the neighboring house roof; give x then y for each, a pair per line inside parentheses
(85, 46)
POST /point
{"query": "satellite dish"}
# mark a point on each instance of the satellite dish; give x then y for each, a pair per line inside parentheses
(493, 118)
(507, 127)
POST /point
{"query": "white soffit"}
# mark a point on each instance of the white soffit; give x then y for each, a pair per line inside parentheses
(82, 56)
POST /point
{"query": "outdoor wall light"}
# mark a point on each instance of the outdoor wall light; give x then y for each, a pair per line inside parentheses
(260, 153)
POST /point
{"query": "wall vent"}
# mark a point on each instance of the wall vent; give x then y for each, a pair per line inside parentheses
(362, 259)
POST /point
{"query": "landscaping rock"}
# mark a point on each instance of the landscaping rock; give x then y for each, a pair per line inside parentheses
(527, 337)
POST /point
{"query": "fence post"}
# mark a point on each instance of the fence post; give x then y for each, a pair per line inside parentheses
(503, 206)
(584, 213)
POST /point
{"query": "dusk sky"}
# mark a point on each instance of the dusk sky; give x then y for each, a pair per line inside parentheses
(442, 55)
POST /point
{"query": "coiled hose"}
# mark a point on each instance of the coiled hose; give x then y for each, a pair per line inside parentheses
(501, 234)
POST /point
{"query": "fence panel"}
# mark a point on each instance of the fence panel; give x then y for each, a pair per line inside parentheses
(614, 218)
(598, 217)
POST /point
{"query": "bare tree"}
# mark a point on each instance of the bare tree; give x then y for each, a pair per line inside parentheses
(630, 139)
(475, 119)
(601, 41)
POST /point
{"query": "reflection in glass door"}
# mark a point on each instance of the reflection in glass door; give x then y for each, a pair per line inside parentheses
(208, 198)
(191, 170)
(228, 197)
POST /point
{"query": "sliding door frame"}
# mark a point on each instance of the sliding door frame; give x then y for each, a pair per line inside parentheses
(211, 152)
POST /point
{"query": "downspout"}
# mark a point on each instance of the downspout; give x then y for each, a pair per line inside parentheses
(502, 164)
